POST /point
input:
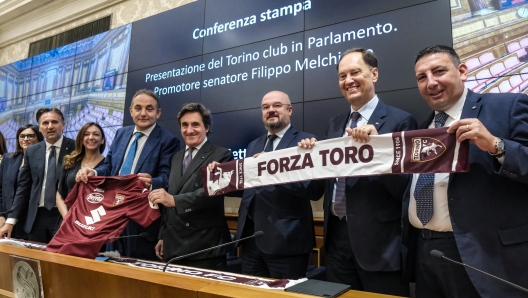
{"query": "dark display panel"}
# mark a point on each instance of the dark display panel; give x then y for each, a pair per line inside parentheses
(248, 48)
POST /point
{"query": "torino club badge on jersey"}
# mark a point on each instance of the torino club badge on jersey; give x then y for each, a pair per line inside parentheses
(99, 210)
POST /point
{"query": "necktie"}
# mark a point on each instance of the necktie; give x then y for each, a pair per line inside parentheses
(129, 160)
(187, 160)
(269, 145)
(423, 192)
(340, 197)
(268, 148)
(51, 180)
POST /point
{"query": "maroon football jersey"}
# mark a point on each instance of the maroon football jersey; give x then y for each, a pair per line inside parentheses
(98, 211)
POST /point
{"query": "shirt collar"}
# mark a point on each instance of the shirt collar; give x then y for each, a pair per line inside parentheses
(281, 133)
(455, 111)
(57, 144)
(197, 147)
(147, 131)
(367, 110)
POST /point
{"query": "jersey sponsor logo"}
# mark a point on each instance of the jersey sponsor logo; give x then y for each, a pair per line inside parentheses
(96, 215)
(94, 198)
(84, 226)
(119, 198)
(426, 149)
(99, 189)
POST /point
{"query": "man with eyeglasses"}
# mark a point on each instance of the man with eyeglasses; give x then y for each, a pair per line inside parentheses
(283, 212)
(362, 232)
(38, 179)
(144, 149)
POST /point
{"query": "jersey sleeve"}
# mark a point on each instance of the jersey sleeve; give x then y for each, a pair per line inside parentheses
(142, 212)
(72, 196)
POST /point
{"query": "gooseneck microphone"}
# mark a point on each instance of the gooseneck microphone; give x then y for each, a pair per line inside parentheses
(256, 235)
(144, 235)
(438, 254)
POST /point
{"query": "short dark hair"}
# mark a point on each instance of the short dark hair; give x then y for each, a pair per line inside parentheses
(367, 55)
(200, 108)
(149, 93)
(45, 110)
(439, 49)
(34, 128)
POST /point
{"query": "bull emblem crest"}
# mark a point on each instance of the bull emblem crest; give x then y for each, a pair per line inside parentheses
(224, 178)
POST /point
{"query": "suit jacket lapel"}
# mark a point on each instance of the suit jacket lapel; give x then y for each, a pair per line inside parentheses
(197, 162)
(175, 175)
(118, 157)
(150, 144)
(377, 120)
(41, 159)
(378, 115)
(472, 106)
(471, 109)
(287, 138)
(339, 127)
(65, 148)
(259, 145)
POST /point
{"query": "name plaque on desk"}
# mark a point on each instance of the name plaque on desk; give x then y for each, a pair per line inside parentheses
(27, 278)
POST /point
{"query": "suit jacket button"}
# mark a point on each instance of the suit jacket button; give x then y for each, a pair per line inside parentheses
(196, 185)
(187, 224)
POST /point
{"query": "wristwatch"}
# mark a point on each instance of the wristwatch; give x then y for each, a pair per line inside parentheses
(500, 149)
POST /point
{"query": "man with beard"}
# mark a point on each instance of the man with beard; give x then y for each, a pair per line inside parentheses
(283, 212)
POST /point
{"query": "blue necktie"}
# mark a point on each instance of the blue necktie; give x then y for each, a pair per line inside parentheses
(423, 192)
(340, 197)
(129, 160)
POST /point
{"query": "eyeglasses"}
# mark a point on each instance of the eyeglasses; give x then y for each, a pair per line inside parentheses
(29, 136)
(275, 106)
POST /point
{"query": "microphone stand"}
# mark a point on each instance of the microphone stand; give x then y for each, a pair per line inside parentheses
(438, 254)
(256, 235)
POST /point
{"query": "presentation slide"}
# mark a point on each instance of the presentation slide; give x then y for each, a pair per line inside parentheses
(228, 56)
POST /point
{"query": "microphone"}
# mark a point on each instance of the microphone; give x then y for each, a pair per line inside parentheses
(438, 254)
(256, 235)
(144, 235)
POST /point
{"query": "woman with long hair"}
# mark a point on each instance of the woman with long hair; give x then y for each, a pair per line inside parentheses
(26, 136)
(89, 146)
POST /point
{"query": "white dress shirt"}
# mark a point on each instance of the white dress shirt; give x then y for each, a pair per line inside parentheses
(365, 112)
(279, 135)
(440, 221)
(140, 145)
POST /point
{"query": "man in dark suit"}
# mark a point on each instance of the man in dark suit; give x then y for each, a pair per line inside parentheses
(38, 179)
(362, 215)
(191, 221)
(144, 149)
(480, 217)
(282, 212)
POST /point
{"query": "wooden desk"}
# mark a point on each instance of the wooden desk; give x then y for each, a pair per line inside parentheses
(67, 276)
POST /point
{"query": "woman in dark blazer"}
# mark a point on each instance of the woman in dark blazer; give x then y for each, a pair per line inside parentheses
(89, 146)
(26, 136)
